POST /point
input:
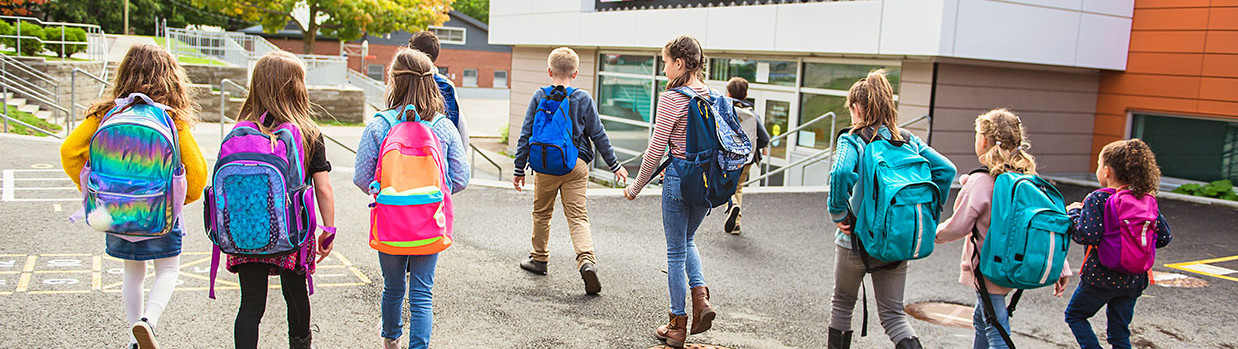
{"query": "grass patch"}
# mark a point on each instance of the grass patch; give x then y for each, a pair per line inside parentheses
(194, 59)
(28, 118)
(340, 123)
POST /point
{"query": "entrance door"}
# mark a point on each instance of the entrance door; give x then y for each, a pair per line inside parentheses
(776, 108)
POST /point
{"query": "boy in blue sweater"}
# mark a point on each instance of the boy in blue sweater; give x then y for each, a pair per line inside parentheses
(587, 132)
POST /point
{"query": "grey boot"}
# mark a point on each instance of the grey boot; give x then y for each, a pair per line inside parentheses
(839, 339)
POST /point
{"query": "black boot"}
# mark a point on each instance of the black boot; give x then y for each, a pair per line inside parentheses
(839, 339)
(534, 266)
(909, 343)
(301, 342)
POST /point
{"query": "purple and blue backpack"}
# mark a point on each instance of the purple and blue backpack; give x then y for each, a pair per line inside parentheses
(1129, 242)
(259, 202)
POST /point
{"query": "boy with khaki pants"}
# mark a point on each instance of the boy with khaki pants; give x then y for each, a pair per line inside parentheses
(587, 132)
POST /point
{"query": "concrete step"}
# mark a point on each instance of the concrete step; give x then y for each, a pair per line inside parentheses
(43, 114)
(29, 108)
(16, 102)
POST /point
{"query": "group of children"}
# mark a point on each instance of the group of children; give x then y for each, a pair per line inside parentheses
(559, 138)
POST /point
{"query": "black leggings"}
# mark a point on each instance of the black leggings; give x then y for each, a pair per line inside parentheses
(254, 303)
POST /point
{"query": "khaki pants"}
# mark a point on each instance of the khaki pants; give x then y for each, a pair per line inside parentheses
(571, 187)
(738, 198)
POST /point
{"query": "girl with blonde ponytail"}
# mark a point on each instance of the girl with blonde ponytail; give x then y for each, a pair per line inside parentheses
(873, 116)
(1001, 146)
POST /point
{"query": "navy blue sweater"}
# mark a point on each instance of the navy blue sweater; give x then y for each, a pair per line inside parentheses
(587, 130)
(1089, 229)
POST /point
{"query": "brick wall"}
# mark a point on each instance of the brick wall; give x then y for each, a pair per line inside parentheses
(321, 47)
(455, 61)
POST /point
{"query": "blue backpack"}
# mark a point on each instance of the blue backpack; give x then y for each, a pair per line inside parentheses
(899, 203)
(716, 150)
(449, 98)
(1028, 236)
(551, 149)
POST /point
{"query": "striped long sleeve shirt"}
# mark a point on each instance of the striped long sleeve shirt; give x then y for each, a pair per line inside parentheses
(669, 131)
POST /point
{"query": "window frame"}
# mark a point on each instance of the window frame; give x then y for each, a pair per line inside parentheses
(463, 34)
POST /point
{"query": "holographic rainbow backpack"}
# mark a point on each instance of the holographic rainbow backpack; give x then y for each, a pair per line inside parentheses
(133, 184)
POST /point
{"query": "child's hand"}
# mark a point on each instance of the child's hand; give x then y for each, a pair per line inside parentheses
(518, 182)
(844, 226)
(1060, 287)
(325, 246)
(1074, 205)
(621, 176)
(627, 193)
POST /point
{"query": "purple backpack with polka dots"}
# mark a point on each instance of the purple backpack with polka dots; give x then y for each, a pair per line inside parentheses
(1129, 242)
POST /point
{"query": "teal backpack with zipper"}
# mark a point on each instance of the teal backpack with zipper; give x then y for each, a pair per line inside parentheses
(1029, 234)
(899, 205)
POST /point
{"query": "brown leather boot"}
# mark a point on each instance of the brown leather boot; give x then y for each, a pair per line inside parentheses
(702, 311)
(675, 332)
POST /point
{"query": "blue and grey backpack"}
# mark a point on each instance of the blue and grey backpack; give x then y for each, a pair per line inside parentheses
(716, 150)
(551, 149)
(899, 204)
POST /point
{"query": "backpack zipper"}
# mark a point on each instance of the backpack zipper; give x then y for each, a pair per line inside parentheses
(919, 231)
(1049, 259)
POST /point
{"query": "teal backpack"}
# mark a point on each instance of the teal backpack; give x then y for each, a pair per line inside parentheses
(899, 203)
(1027, 242)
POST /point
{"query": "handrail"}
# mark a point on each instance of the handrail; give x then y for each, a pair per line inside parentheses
(484, 156)
(27, 69)
(94, 43)
(6, 126)
(803, 126)
(73, 105)
(36, 88)
(32, 95)
(818, 155)
(223, 107)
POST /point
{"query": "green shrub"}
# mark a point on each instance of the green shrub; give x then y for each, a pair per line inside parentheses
(503, 133)
(70, 35)
(1222, 189)
(30, 38)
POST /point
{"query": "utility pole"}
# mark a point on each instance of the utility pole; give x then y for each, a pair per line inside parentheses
(126, 18)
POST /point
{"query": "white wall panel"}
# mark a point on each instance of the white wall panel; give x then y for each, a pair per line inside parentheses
(1073, 5)
(1120, 8)
(1103, 41)
(916, 27)
(841, 27)
(1017, 33)
(748, 28)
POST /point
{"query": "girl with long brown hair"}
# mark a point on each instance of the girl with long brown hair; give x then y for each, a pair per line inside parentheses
(277, 95)
(149, 70)
(873, 117)
(410, 83)
(685, 66)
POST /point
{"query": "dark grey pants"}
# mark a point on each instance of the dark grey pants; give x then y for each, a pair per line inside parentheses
(887, 291)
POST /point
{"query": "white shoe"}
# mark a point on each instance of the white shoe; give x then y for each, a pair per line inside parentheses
(145, 335)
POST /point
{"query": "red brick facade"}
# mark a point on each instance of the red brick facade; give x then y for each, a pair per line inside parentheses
(321, 47)
(455, 62)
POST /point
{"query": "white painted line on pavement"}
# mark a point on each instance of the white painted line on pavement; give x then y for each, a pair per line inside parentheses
(1210, 269)
(6, 186)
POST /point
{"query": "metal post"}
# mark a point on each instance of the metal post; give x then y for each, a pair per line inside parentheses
(62, 48)
(126, 18)
(4, 101)
(72, 101)
(19, 37)
(223, 100)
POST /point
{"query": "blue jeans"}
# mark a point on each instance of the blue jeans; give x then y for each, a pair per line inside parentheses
(680, 221)
(1119, 307)
(987, 335)
(417, 274)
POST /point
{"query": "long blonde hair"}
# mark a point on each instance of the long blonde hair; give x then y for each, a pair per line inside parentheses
(410, 81)
(277, 88)
(1008, 143)
(875, 97)
(152, 71)
(688, 49)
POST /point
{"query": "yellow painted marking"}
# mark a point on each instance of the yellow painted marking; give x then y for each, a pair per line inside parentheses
(24, 282)
(29, 267)
(1183, 266)
(217, 280)
(5, 293)
(196, 261)
(65, 255)
(96, 279)
(60, 271)
(59, 292)
(11, 255)
(56, 208)
(9, 272)
(355, 271)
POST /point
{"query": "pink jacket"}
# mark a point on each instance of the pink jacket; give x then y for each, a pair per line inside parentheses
(972, 209)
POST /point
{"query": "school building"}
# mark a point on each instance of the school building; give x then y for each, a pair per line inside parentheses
(1080, 72)
(466, 56)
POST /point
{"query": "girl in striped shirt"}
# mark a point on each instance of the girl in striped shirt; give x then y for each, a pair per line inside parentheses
(685, 64)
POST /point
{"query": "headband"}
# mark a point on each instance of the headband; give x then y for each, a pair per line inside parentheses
(407, 72)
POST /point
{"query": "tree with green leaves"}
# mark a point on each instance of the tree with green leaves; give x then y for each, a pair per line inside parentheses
(343, 19)
(143, 14)
(478, 9)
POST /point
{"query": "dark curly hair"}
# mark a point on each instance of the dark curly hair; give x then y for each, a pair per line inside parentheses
(688, 49)
(1133, 163)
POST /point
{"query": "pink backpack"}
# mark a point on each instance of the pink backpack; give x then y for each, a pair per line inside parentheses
(412, 212)
(1129, 242)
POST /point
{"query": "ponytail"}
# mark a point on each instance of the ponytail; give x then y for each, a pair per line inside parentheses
(875, 97)
(688, 49)
(1008, 143)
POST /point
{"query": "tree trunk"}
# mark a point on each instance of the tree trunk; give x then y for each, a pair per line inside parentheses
(311, 35)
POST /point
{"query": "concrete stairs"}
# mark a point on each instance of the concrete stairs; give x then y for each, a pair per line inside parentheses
(24, 105)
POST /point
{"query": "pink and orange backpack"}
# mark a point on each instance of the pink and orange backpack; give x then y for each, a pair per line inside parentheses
(412, 212)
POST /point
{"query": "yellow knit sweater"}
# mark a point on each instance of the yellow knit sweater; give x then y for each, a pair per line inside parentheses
(75, 151)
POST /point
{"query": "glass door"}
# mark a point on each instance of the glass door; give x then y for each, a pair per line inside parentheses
(776, 109)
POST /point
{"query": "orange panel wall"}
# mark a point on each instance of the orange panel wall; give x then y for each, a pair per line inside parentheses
(1183, 60)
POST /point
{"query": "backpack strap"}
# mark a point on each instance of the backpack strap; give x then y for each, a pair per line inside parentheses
(981, 169)
(990, 315)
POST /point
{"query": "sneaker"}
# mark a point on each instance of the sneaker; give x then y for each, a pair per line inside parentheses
(144, 334)
(732, 220)
(589, 273)
(534, 266)
(736, 231)
(389, 343)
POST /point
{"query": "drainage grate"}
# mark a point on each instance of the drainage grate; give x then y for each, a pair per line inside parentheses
(1164, 279)
(691, 346)
(941, 313)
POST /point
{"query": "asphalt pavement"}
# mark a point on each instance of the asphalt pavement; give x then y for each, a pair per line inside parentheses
(771, 286)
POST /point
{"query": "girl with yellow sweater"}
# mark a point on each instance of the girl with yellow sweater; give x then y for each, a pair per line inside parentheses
(150, 70)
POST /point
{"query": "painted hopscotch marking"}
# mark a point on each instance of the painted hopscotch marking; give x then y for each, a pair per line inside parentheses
(76, 273)
(1205, 267)
(14, 181)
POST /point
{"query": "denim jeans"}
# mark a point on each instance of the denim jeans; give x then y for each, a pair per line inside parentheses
(1119, 307)
(680, 220)
(987, 335)
(417, 274)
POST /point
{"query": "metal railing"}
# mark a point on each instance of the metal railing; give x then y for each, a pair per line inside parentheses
(820, 155)
(96, 43)
(325, 70)
(765, 163)
(4, 103)
(73, 105)
(374, 90)
(206, 44)
(473, 161)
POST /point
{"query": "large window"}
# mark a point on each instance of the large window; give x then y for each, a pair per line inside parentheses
(449, 35)
(780, 73)
(375, 71)
(631, 64)
(626, 98)
(1191, 148)
(834, 76)
(500, 79)
(470, 77)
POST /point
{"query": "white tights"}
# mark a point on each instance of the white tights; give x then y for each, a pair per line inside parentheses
(166, 272)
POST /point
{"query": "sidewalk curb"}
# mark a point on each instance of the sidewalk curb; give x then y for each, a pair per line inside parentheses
(652, 190)
(1164, 195)
(31, 138)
